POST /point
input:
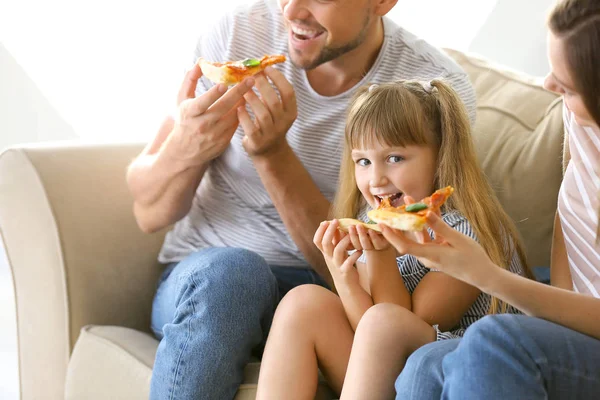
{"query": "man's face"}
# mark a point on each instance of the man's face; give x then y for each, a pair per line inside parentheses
(322, 30)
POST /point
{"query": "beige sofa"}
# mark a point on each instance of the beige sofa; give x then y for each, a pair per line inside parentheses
(85, 275)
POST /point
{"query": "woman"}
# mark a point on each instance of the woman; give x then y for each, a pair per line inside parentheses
(554, 351)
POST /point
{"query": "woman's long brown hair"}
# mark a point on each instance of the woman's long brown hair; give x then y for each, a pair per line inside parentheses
(577, 23)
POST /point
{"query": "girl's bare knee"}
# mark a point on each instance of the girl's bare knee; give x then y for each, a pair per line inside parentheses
(306, 303)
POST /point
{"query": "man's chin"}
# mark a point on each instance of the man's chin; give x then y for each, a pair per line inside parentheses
(301, 62)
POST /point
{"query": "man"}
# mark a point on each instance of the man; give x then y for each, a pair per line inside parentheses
(247, 192)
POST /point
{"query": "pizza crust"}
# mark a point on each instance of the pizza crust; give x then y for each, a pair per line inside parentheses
(347, 222)
(401, 221)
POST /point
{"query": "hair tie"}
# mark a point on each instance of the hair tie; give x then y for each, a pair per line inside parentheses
(428, 87)
(373, 87)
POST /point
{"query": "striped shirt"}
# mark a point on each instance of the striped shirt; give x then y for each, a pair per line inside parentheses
(413, 272)
(578, 205)
(231, 207)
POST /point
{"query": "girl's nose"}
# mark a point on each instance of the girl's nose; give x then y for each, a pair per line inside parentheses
(378, 177)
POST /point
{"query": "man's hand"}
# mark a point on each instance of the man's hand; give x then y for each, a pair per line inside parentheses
(204, 125)
(273, 115)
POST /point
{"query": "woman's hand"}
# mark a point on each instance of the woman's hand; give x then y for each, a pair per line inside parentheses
(335, 245)
(450, 252)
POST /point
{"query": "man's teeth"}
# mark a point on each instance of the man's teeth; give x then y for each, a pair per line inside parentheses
(305, 32)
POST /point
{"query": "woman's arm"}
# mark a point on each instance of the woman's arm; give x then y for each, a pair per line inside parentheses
(573, 310)
(464, 259)
(560, 274)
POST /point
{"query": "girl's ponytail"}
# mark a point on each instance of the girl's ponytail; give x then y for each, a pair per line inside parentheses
(473, 197)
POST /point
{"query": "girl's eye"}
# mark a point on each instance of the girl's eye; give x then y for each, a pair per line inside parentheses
(395, 159)
(363, 162)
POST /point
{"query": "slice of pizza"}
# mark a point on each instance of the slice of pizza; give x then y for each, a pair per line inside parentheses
(347, 222)
(410, 217)
(233, 72)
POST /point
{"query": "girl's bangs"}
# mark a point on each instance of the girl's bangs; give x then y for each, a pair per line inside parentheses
(385, 119)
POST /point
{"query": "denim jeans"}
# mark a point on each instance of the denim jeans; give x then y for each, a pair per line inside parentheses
(211, 310)
(505, 357)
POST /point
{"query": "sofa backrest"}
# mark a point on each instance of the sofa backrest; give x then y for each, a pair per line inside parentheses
(518, 137)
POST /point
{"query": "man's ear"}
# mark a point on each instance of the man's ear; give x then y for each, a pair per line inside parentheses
(382, 7)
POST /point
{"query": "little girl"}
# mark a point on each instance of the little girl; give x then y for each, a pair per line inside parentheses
(403, 140)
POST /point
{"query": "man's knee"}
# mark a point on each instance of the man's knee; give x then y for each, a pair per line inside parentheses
(230, 274)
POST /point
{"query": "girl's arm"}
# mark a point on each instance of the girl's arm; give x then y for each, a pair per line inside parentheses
(437, 299)
(356, 302)
(463, 258)
(334, 246)
(560, 274)
(385, 281)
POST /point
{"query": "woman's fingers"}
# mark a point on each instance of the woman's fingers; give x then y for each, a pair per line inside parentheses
(408, 200)
(441, 229)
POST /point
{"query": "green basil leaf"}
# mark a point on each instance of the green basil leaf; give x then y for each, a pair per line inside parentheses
(416, 207)
(250, 62)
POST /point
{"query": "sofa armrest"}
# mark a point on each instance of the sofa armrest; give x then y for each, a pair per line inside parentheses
(74, 250)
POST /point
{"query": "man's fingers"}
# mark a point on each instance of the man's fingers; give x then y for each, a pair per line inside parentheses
(246, 122)
(200, 104)
(260, 110)
(188, 86)
(268, 94)
(227, 100)
(285, 88)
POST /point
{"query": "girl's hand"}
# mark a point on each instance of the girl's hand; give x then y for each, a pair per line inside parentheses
(450, 252)
(367, 239)
(335, 245)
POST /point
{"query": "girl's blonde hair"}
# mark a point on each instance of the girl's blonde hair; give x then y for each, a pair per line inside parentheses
(429, 114)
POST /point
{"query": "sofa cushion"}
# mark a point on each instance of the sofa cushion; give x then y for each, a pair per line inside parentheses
(518, 137)
(111, 362)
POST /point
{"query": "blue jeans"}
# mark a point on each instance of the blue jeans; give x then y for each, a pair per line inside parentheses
(505, 357)
(211, 310)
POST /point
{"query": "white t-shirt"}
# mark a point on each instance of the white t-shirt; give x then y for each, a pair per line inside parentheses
(231, 207)
(578, 204)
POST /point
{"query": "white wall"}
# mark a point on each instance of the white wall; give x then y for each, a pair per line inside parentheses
(25, 113)
(514, 34)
